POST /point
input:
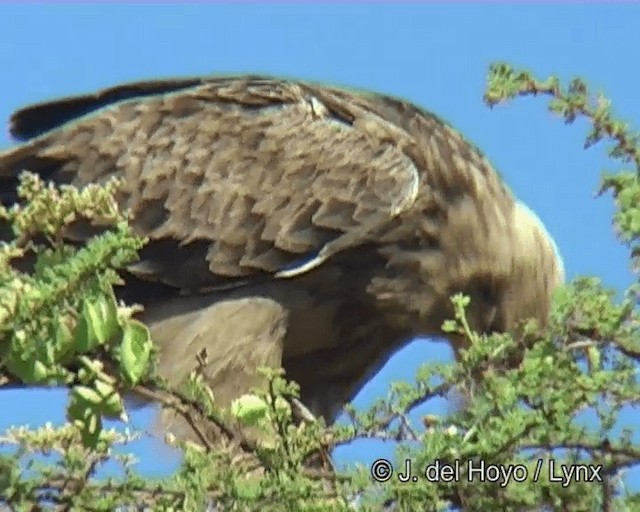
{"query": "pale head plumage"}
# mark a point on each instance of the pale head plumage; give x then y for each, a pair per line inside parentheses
(540, 264)
(534, 232)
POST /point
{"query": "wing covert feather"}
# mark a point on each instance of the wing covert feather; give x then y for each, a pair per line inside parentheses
(236, 177)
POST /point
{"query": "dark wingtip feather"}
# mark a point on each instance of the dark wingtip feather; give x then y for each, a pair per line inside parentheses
(34, 120)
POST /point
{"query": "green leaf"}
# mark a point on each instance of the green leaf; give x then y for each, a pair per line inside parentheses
(111, 405)
(91, 428)
(29, 370)
(84, 337)
(84, 412)
(450, 326)
(593, 354)
(98, 323)
(9, 473)
(135, 350)
(64, 339)
(249, 409)
(86, 395)
(102, 318)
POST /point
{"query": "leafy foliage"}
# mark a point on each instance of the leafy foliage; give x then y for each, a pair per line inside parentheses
(506, 449)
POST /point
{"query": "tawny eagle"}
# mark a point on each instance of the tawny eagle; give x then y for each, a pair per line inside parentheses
(294, 224)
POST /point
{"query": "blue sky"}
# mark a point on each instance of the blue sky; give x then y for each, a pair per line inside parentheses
(434, 55)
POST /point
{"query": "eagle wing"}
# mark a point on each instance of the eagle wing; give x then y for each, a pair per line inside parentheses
(229, 178)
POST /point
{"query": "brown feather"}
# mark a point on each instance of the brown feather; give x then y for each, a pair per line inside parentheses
(342, 220)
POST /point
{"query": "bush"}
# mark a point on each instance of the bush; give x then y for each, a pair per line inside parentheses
(518, 444)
